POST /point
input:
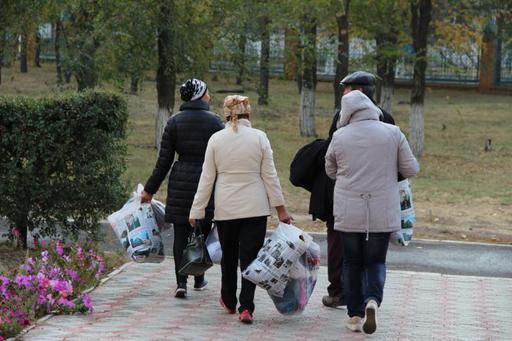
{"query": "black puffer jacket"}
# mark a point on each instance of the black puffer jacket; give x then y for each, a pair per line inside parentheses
(187, 134)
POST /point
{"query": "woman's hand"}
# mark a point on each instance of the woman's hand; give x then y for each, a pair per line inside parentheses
(145, 197)
(192, 222)
(283, 215)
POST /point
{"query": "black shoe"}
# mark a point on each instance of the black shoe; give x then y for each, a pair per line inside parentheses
(333, 301)
(201, 286)
(181, 291)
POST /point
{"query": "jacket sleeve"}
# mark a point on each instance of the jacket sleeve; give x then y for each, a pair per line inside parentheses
(331, 165)
(206, 184)
(269, 174)
(408, 166)
(165, 158)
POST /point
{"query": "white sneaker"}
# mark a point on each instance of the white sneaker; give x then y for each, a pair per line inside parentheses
(355, 324)
(370, 322)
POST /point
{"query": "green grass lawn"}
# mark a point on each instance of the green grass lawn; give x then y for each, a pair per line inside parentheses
(461, 192)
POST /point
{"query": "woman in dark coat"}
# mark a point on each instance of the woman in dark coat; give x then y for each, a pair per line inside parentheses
(186, 134)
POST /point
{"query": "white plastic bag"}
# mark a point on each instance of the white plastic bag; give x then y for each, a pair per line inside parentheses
(136, 228)
(280, 252)
(213, 245)
(407, 215)
(300, 286)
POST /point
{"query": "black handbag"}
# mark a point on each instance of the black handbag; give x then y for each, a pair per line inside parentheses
(195, 260)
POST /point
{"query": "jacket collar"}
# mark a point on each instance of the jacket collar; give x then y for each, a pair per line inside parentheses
(355, 107)
(195, 105)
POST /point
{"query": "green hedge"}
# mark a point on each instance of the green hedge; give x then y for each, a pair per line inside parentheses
(61, 159)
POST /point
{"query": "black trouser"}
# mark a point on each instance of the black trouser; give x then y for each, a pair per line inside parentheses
(181, 234)
(239, 238)
(334, 260)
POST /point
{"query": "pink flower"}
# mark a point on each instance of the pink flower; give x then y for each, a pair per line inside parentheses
(44, 254)
(50, 298)
(28, 268)
(24, 281)
(41, 299)
(43, 281)
(87, 302)
(44, 244)
(15, 232)
(58, 248)
(63, 287)
(65, 302)
(55, 272)
(73, 274)
(67, 259)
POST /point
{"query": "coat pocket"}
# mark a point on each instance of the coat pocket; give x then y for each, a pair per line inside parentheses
(355, 213)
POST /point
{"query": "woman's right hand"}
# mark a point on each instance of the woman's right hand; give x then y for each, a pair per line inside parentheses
(145, 197)
(283, 215)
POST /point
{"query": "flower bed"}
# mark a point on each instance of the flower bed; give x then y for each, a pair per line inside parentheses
(53, 281)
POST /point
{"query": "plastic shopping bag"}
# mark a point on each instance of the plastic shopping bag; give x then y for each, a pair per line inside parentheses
(407, 215)
(136, 228)
(300, 286)
(280, 252)
(213, 245)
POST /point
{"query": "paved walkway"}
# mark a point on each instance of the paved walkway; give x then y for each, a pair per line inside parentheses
(137, 304)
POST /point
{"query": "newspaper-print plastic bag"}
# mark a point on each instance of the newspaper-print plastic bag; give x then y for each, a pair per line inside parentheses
(407, 215)
(136, 228)
(280, 252)
(300, 286)
(213, 245)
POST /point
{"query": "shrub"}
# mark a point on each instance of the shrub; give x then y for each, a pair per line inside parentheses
(61, 159)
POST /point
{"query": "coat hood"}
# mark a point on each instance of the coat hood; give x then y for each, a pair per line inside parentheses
(356, 106)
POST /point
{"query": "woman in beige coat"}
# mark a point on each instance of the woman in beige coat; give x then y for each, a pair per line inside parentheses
(239, 165)
(364, 157)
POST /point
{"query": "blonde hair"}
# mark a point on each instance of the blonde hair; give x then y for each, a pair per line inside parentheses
(234, 106)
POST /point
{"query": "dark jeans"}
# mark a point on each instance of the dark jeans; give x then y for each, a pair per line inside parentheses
(181, 234)
(239, 238)
(364, 269)
(334, 260)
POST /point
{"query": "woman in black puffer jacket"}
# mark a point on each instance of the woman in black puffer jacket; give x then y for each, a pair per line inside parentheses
(187, 134)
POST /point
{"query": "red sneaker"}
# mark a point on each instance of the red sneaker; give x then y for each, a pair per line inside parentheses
(246, 316)
(228, 310)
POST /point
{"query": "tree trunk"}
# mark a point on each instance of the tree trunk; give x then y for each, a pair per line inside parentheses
(166, 73)
(291, 47)
(343, 52)
(421, 14)
(134, 84)
(387, 44)
(264, 61)
(2, 49)
(307, 97)
(37, 56)
(240, 58)
(23, 53)
(83, 42)
(58, 62)
(307, 112)
(21, 224)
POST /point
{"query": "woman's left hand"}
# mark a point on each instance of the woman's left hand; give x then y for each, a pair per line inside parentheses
(192, 222)
(283, 215)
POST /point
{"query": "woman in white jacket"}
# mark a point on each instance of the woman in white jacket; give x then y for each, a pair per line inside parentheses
(239, 165)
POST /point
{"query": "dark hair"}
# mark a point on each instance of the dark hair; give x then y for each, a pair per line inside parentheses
(369, 91)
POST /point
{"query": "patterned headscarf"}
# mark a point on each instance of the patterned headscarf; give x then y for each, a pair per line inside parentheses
(236, 105)
(193, 89)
